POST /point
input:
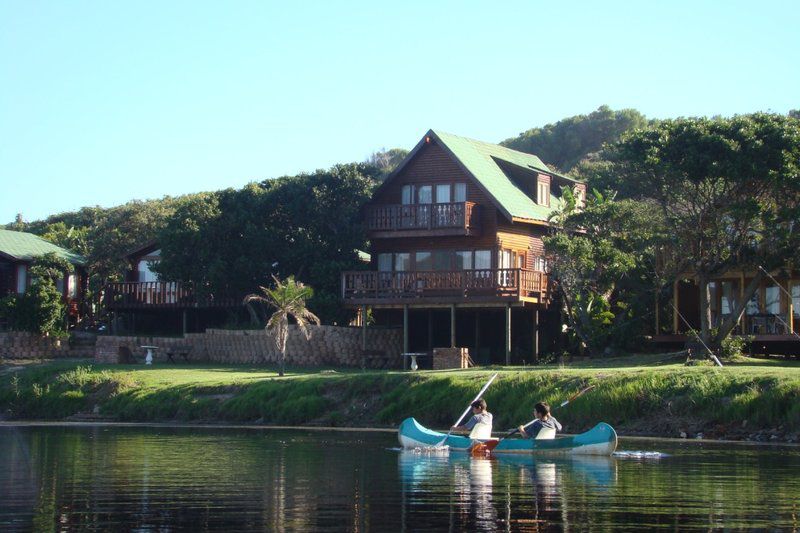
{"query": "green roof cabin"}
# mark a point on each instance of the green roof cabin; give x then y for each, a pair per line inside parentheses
(17, 251)
(456, 250)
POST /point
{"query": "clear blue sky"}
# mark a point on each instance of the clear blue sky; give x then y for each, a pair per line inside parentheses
(104, 102)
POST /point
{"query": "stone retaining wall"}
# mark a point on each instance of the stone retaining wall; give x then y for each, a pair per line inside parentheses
(328, 346)
(25, 345)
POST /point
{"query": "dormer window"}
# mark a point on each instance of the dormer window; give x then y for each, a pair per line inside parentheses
(543, 194)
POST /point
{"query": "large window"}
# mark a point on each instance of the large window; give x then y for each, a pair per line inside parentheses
(441, 259)
(402, 262)
(407, 195)
(423, 261)
(753, 308)
(459, 192)
(384, 262)
(464, 260)
(22, 279)
(728, 298)
(443, 193)
(483, 259)
(425, 194)
(796, 298)
(773, 300)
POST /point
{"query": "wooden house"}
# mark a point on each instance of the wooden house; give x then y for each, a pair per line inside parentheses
(145, 303)
(17, 252)
(456, 250)
(771, 317)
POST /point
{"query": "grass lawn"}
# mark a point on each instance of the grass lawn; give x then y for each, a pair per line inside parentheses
(653, 394)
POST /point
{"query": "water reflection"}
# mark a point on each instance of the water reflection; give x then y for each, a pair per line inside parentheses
(101, 478)
(502, 491)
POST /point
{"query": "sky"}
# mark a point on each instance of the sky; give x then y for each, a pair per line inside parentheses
(105, 102)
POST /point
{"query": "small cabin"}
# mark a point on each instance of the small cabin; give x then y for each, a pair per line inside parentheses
(19, 249)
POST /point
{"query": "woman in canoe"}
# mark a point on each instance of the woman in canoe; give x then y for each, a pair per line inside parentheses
(480, 425)
(544, 422)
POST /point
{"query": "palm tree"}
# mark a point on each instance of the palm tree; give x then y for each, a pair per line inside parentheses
(289, 299)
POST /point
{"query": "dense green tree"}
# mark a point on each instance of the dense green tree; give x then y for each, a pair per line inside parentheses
(592, 253)
(570, 140)
(729, 193)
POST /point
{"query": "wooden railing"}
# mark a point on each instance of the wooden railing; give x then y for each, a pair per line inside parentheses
(460, 215)
(160, 294)
(501, 282)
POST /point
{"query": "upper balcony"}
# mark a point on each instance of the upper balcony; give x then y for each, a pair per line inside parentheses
(418, 220)
(491, 285)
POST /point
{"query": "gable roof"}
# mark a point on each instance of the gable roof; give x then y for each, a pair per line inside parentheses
(22, 246)
(480, 160)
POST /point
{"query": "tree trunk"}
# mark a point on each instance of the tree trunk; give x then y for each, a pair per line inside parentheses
(705, 308)
(282, 363)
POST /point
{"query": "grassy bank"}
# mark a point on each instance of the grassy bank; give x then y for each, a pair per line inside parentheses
(750, 399)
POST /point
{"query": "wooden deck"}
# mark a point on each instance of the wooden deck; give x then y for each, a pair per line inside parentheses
(160, 295)
(395, 220)
(442, 287)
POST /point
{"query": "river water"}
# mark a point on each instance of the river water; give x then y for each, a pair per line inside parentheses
(67, 478)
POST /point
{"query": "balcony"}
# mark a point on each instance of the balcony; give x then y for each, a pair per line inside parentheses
(461, 286)
(415, 220)
(160, 295)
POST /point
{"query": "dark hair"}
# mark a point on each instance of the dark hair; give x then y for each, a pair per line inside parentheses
(542, 408)
(479, 404)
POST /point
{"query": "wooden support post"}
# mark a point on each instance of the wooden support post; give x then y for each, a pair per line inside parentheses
(405, 328)
(430, 330)
(184, 321)
(508, 334)
(452, 325)
(364, 327)
(477, 335)
(743, 317)
(675, 310)
(535, 336)
(790, 307)
(658, 325)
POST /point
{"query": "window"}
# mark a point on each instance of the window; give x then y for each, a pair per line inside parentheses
(423, 261)
(384, 262)
(145, 272)
(752, 305)
(728, 298)
(483, 259)
(773, 300)
(543, 194)
(540, 264)
(441, 260)
(443, 194)
(796, 298)
(712, 303)
(464, 260)
(72, 286)
(460, 192)
(60, 285)
(402, 262)
(22, 279)
(425, 194)
(407, 195)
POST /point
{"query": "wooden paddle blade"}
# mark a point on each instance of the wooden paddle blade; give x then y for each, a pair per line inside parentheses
(480, 449)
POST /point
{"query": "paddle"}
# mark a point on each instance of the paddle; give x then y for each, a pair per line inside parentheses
(478, 397)
(490, 445)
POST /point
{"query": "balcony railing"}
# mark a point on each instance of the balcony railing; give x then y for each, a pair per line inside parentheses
(152, 294)
(504, 283)
(461, 216)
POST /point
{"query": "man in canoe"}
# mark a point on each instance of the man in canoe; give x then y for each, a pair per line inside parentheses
(480, 425)
(544, 422)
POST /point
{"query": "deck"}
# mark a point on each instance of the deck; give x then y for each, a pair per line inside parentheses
(502, 285)
(161, 295)
(410, 220)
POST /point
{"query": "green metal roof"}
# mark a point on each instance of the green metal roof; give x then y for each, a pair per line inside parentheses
(480, 159)
(27, 246)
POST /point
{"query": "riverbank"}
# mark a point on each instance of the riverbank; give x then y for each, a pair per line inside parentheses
(750, 399)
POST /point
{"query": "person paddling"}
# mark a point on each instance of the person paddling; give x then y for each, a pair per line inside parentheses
(544, 421)
(480, 425)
